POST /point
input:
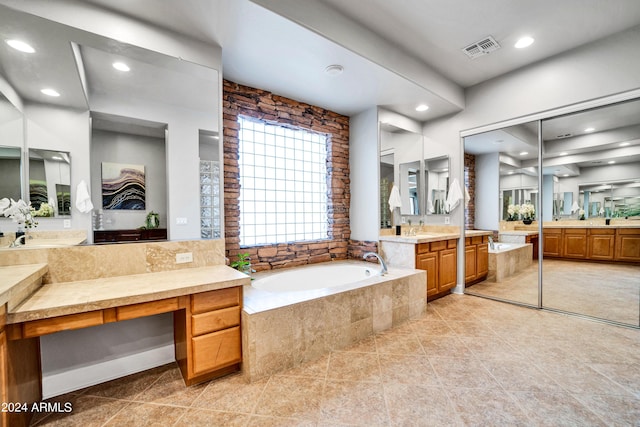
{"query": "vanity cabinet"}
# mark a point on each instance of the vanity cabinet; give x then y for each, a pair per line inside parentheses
(439, 259)
(476, 259)
(593, 244)
(133, 235)
(208, 338)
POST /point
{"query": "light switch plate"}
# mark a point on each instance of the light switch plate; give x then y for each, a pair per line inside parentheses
(184, 257)
(66, 223)
(181, 221)
(447, 220)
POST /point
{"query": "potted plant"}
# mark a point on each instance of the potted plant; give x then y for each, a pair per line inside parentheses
(243, 264)
(528, 212)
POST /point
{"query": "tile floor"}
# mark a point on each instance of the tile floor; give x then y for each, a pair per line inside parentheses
(467, 361)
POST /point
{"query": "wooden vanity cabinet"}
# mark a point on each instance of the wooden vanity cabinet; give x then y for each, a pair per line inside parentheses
(476, 259)
(208, 338)
(552, 242)
(627, 245)
(133, 235)
(601, 243)
(575, 243)
(439, 259)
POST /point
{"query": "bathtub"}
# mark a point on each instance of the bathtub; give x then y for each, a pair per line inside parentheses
(330, 275)
(507, 259)
(297, 315)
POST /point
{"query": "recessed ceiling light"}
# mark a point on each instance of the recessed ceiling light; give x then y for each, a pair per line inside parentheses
(589, 129)
(611, 162)
(121, 66)
(334, 70)
(524, 42)
(566, 174)
(623, 144)
(524, 153)
(21, 46)
(510, 172)
(564, 153)
(50, 92)
(56, 158)
(422, 107)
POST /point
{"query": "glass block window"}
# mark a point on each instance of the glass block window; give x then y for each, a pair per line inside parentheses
(283, 188)
(209, 199)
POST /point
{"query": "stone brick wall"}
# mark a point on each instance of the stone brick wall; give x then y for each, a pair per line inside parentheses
(263, 105)
(470, 182)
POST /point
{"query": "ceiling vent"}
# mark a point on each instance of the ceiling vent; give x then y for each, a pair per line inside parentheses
(482, 47)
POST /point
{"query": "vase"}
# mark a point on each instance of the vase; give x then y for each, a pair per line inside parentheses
(527, 221)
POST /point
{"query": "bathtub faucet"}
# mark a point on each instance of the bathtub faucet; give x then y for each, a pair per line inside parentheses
(491, 244)
(383, 271)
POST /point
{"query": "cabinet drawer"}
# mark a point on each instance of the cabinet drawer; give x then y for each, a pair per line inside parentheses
(452, 244)
(216, 350)
(438, 246)
(476, 240)
(552, 230)
(215, 320)
(602, 231)
(422, 248)
(580, 231)
(35, 328)
(213, 300)
(146, 309)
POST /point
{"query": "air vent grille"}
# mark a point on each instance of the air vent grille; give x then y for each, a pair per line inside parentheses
(482, 47)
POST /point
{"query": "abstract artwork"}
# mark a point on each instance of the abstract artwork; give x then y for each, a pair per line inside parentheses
(123, 186)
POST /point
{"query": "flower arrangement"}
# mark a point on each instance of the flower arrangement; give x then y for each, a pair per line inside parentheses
(527, 210)
(45, 210)
(20, 212)
(513, 211)
(581, 214)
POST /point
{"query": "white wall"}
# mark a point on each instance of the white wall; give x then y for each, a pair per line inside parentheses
(487, 191)
(364, 170)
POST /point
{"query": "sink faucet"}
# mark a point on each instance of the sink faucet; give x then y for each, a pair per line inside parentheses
(383, 271)
(491, 244)
(17, 243)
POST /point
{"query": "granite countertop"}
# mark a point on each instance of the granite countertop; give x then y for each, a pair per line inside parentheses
(519, 232)
(16, 278)
(39, 243)
(472, 233)
(58, 299)
(420, 238)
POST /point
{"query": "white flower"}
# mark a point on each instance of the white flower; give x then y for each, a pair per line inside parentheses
(527, 210)
(20, 212)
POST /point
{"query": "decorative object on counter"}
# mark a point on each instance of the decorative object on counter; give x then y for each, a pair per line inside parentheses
(528, 212)
(20, 212)
(83, 199)
(98, 220)
(514, 212)
(123, 186)
(45, 210)
(243, 264)
(581, 214)
(152, 221)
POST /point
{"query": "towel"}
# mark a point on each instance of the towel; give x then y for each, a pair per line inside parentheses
(394, 199)
(601, 211)
(430, 207)
(575, 207)
(83, 199)
(454, 196)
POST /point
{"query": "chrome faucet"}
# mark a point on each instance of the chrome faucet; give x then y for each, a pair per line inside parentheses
(383, 271)
(491, 244)
(17, 243)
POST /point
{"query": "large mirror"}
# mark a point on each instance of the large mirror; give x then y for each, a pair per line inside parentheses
(436, 172)
(12, 140)
(501, 168)
(50, 182)
(592, 248)
(117, 103)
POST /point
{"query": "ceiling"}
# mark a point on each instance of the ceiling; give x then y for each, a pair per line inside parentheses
(265, 50)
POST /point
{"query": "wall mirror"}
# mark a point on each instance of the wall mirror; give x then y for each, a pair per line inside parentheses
(50, 182)
(502, 170)
(401, 165)
(10, 173)
(437, 184)
(591, 265)
(145, 87)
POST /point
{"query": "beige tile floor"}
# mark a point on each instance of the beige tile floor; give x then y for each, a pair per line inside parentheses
(606, 291)
(467, 361)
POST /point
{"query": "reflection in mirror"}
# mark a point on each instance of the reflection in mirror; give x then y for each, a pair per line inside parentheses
(10, 173)
(400, 166)
(501, 169)
(210, 215)
(50, 182)
(591, 251)
(437, 184)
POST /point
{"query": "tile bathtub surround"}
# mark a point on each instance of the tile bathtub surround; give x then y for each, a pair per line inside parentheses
(516, 367)
(508, 262)
(97, 261)
(282, 338)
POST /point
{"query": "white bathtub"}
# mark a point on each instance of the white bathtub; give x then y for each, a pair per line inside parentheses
(502, 247)
(315, 277)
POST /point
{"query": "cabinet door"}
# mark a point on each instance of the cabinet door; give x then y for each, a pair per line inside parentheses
(601, 247)
(470, 261)
(4, 386)
(429, 262)
(216, 350)
(447, 267)
(552, 241)
(628, 245)
(482, 256)
(575, 243)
